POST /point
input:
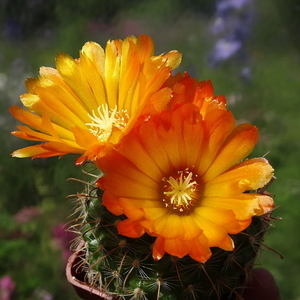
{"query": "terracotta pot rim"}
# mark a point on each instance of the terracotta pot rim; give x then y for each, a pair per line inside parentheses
(75, 277)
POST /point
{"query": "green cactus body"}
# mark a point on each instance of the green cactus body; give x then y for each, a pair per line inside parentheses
(124, 267)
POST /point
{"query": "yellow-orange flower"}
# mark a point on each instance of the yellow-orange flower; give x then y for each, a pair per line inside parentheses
(179, 178)
(86, 105)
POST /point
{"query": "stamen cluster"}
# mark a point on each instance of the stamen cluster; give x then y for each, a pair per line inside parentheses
(105, 119)
(181, 191)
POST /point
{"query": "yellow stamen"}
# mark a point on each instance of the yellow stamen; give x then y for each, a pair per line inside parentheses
(104, 120)
(181, 192)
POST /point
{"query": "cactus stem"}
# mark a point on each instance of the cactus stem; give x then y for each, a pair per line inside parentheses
(112, 274)
(136, 264)
(138, 294)
(226, 283)
(191, 292)
(214, 288)
(124, 268)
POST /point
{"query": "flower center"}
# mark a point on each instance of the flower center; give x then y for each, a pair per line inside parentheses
(181, 191)
(105, 119)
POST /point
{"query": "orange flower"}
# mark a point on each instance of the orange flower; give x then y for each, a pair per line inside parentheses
(179, 178)
(86, 105)
(190, 90)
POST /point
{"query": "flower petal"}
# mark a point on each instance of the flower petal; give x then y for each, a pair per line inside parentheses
(126, 178)
(250, 174)
(216, 231)
(130, 228)
(238, 145)
(158, 250)
(176, 247)
(112, 204)
(199, 249)
(165, 178)
(96, 99)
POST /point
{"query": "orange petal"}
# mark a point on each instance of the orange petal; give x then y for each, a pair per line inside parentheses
(214, 229)
(123, 186)
(132, 148)
(266, 204)
(250, 174)
(193, 141)
(41, 124)
(112, 204)
(199, 249)
(60, 147)
(169, 226)
(158, 250)
(30, 151)
(126, 177)
(150, 140)
(145, 47)
(217, 126)
(132, 212)
(223, 218)
(190, 228)
(29, 134)
(176, 247)
(130, 228)
(238, 145)
(244, 206)
(84, 138)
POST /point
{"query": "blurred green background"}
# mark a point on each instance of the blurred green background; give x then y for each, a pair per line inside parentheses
(249, 49)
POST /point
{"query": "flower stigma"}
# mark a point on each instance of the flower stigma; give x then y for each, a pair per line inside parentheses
(105, 119)
(181, 191)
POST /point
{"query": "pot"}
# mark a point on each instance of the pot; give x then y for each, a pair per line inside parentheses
(75, 275)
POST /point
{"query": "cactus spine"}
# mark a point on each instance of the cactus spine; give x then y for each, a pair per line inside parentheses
(124, 268)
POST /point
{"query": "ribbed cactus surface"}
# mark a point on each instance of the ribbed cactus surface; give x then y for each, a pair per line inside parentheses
(124, 267)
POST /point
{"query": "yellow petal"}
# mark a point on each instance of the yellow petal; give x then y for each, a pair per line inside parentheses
(29, 151)
(73, 75)
(96, 55)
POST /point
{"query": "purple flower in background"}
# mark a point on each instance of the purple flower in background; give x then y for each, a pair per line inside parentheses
(27, 214)
(62, 239)
(7, 288)
(225, 6)
(224, 48)
(232, 26)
